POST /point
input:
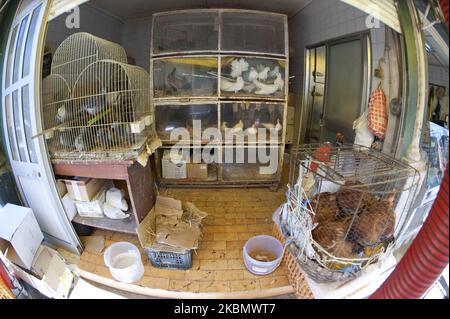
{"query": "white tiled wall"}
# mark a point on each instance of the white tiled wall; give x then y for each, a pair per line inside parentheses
(324, 20)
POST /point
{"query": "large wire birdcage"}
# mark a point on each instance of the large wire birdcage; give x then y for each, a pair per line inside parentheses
(108, 112)
(80, 50)
(345, 208)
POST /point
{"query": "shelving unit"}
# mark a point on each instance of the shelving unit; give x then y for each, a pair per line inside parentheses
(193, 63)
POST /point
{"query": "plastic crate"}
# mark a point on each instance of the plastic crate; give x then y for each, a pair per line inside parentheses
(170, 260)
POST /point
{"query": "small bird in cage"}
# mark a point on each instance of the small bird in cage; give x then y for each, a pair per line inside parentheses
(84, 140)
(177, 83)
(66, 139)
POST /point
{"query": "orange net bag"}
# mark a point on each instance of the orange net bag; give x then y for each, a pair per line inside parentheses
(378, 117)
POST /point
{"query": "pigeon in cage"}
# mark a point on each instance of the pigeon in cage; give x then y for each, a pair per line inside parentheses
(94, 105)
(273, 73)
(263, 73)
(176, 82)
(67, 139)
(232, 86)
(85, 140)
(64, 113)
(238, 66)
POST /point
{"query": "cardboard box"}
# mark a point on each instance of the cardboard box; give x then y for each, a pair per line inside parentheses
(197, 171)
(20, 235)
(61, 187)
(171, 170)
(49, 274)
(83, 189)
(93, 208)
(69, 206)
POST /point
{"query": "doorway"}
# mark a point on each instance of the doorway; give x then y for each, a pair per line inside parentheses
(337, 90)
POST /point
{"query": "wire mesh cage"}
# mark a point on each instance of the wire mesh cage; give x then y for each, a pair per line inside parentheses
(80, 50)
(345, 208)
(108, 112)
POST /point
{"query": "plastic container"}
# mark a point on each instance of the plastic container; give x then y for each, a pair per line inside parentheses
(124, 262)
(263, 243)
(170, 260)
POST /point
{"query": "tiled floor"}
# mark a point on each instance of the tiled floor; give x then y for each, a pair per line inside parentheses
(235, 215)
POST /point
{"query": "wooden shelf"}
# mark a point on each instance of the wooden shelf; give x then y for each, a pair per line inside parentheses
(127, 225)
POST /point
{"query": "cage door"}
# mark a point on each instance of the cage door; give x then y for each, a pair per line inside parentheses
(21, 114)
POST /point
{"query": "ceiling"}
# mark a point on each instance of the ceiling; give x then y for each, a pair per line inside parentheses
(131, 9)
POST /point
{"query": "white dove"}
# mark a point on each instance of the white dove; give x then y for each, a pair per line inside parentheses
(274, 72)
(229, 86)
(238, 66)
(253, 74)
(252, 130)
(264, 74)
(268, 89)
(278, 127)
(224, 126)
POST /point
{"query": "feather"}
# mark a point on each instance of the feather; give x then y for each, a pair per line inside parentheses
(238, 66)
(264, 74)
(229, 86)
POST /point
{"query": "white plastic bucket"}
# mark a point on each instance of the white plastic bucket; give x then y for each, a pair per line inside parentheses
(263, 243)
(124, 262)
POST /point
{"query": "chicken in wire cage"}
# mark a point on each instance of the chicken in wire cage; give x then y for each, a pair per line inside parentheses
(81, 49)
(109, 111)
(346, 206)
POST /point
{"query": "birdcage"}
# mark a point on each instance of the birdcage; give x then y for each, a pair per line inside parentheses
(345, 208)
(107, 114)
(79, 51)
(55, 95)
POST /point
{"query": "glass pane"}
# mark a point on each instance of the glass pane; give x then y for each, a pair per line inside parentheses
(11, 132)
(185, 77)
(253, 32)
(30, 37)
(251, 117)
(200, 165)
(18, 57)
(18, 127)
(252, 77)
(170, 117)
(10, 57)
(27, 123)
(183, 32)
(250, 164)
(344, 98)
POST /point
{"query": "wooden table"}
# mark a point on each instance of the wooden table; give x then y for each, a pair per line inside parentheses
(140, 185)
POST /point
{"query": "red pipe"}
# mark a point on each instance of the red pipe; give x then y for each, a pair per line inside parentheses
(444, 7)
(427, 257)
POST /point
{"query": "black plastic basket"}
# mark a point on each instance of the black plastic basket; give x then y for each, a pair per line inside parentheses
(170, 260)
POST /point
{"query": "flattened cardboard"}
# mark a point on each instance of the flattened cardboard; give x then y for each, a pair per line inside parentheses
(93, 244)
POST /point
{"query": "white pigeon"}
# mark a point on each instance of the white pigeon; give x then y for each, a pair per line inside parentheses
(238, 127)
(264, 74)
(253, 75)
(278, 127)
(268, 89)
(252, 130)
(229, 86)
(274, 72)
(238, 66)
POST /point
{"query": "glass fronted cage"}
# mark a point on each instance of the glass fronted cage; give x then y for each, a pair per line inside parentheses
(185, 32)
(252, 119)
(436, 143)
(185, 77)
(188, 165)
(252, 77)
(193, 119)
(252, 164)
(198, 30)
(253, 32)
